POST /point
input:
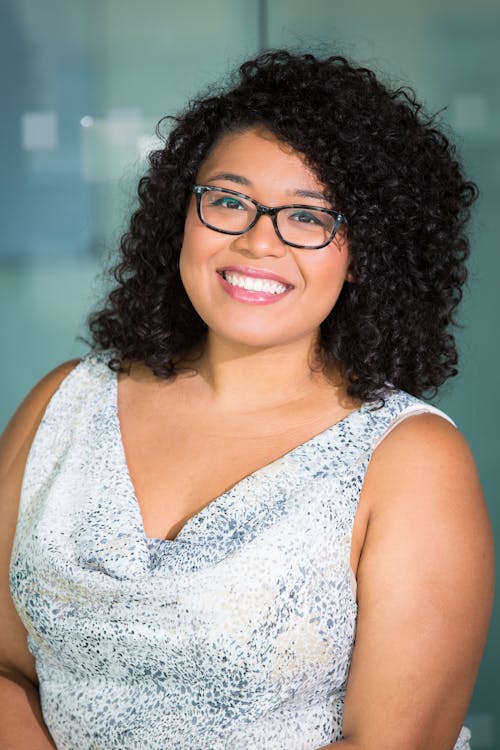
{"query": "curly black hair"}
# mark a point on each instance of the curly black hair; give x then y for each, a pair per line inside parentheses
(384, 163)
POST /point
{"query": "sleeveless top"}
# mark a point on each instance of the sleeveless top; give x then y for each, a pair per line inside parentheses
(237, 634)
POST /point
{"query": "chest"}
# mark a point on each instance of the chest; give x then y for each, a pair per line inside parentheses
(179, 468)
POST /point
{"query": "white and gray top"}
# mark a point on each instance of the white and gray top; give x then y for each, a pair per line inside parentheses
(237, 634)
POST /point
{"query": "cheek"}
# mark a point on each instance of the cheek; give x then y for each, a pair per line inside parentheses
(190, 277)
(193, 247)
(188, 269)
(330, 271)
(187, 263)
(326, 280)
(199, 242)
(197, 262)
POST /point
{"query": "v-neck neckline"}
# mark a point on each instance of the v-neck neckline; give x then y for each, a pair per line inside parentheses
(216, 503)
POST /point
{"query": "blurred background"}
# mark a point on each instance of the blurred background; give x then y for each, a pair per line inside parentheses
(84, 83)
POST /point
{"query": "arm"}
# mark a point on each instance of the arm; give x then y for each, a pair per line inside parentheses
(425, 587)
(21, 722)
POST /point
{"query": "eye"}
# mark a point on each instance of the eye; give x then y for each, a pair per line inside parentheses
(227, 201)
(309, 217)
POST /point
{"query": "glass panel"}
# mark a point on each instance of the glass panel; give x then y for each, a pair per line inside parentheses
(449, 52)
(87, 82)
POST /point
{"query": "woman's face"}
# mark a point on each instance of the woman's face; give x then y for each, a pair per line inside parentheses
(296, 288)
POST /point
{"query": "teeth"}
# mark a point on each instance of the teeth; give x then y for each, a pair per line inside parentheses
(253, 284)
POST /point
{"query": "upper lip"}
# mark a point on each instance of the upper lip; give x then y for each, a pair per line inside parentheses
(256, 273)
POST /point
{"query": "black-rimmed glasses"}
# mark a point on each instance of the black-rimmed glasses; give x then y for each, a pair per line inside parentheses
(297, 225)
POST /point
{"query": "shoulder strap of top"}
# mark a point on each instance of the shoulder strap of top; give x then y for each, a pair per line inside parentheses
(418, 407)
(71, 406)
(72, 409)
(78, 390)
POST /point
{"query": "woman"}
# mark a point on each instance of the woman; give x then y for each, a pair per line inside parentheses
(245, 446)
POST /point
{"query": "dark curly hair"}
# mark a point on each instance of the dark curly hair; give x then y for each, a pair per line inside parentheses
(385, 165)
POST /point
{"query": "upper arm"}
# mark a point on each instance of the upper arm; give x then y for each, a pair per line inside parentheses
(425, 582)
(15, 443)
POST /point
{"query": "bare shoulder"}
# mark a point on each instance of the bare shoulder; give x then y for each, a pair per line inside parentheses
(422, 432)
(19, 433)
(425, 587)
(15, 444)
(428, 457)
(422, 487)
(423, 496)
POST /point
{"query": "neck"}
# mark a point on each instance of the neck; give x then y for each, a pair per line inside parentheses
(252, 379)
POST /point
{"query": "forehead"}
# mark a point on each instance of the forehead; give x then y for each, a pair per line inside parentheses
(258, 155)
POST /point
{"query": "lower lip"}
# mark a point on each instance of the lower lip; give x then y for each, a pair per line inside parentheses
(248, 296)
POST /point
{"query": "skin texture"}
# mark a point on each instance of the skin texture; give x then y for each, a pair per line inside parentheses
(422, 547)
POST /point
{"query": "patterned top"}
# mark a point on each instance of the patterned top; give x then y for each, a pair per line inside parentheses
(237, 634)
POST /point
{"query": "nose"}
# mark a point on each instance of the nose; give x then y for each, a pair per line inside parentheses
(261, 240)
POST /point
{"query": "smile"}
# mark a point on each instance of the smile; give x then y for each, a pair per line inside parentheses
(254, 284)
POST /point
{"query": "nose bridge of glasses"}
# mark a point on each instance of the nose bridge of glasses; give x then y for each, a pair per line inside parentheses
(265, 210)
(264, 236)
(260, 211)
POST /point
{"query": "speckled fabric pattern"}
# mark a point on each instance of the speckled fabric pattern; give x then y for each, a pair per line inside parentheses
(238, 634)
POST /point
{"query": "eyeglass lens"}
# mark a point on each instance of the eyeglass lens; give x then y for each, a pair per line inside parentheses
(303, 226)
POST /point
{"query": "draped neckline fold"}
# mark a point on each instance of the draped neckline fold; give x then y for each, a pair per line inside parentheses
(239, 487)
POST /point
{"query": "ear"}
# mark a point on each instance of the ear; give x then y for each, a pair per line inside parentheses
(342, 245)
(350, 277)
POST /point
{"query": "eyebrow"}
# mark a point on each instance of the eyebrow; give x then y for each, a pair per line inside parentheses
(310, 194)
(230, 177)
(240, 180)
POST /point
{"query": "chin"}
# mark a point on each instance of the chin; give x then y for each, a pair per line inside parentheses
(254, 341)
(263, 339)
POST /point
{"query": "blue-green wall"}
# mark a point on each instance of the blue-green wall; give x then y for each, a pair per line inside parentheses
(101, 72)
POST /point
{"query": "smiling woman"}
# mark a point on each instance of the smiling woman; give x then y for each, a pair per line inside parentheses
(235, 523)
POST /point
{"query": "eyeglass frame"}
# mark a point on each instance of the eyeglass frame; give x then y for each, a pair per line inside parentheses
(262, 210)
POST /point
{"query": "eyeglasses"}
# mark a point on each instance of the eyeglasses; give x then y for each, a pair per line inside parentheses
(297, 225)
